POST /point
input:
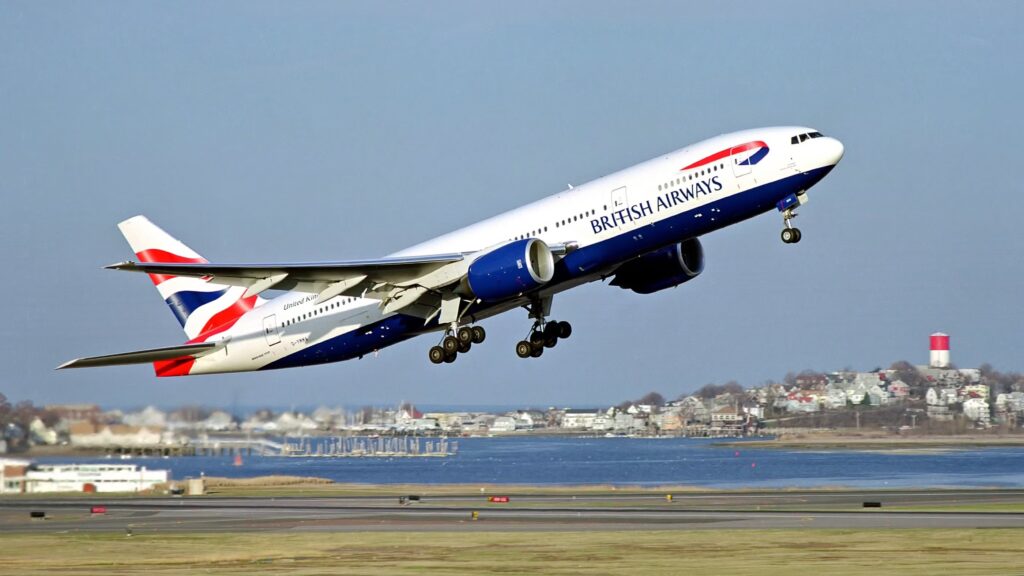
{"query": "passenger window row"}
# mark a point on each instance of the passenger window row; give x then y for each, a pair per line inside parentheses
(318, 311)
(558, 224)
(691, 176)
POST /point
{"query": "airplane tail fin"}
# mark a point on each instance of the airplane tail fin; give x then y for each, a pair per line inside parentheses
(203, 308)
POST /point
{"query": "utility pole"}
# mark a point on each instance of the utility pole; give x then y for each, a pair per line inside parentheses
(913, 421)
(857, 414)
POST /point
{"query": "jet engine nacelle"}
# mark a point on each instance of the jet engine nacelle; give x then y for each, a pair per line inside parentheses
(510, 270)
(661, 269)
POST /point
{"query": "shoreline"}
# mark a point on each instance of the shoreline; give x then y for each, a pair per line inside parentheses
(877, 442)
(802, 440)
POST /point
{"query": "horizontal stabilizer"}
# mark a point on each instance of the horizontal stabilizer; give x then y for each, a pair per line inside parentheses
(142, 356)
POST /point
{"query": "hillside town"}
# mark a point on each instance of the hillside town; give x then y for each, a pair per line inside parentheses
(937, 398)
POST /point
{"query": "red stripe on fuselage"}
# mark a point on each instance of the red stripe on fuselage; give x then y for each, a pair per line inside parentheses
(226, 318)
(157, 255)
(174, 367)
(727, 152)
(220, 322)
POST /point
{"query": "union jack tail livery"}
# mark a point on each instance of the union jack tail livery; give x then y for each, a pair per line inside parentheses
(202, 307)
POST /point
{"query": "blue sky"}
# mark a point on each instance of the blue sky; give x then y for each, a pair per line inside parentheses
(319, 131)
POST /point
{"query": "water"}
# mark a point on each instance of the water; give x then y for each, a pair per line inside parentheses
(633, 461)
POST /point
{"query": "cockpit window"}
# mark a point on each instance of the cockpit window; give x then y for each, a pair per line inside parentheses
(804, 137)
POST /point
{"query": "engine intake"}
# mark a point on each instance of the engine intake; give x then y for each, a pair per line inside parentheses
(664, 268)
(510, 270)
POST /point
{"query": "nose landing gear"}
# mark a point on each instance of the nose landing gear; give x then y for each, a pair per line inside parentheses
(790, 234)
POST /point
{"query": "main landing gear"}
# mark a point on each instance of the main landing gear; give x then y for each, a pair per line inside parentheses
(456, 341)
(542, 335)
(790, 234)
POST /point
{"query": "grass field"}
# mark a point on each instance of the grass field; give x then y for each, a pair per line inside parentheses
(735, 552)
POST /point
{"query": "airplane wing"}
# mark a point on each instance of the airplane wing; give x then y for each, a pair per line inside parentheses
(311, 277)
(142, 356)
(397, 282)
(418, 284)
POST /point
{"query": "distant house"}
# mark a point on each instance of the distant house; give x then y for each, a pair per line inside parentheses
(693, 410)
(220, 421)
(504, 424)
(292, 422)
(877, 396)
(12, 475)
(754, 411)
(603, 422)
(726, 416)
(835, 396)
(802, 403)
(1013, 401)
(75, 412)
(898, 389)
(452, 421)
(530, 419)
(975, 391)
(670, 422)
(579, 418)
(626, 423)
(976, 410)
(856, 393)
(39, 433)
(87, 435)
(148, 416)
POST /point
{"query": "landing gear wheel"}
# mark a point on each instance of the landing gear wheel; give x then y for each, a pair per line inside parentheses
(798, 235)
(436, 354)
(479, 334)
(464, 347)
(537, 339)
(523, 349)
(551, 331)
(790, 235)
(537, 351)
(450, 345)
(550, 342)
(564, 329)
(449, 358)
(464, 335)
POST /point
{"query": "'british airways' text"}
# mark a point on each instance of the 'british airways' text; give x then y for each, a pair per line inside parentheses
(665, 201)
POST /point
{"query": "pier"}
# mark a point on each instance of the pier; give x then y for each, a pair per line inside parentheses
(369, 446)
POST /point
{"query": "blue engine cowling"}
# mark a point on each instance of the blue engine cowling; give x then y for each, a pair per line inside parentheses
(510, 270)
(661, 269)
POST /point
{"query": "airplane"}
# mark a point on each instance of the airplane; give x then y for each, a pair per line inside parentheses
(639, 227)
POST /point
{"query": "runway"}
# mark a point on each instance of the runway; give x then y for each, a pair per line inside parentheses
(528, 512)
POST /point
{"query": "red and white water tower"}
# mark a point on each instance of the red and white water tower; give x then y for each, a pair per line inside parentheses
(939, 357)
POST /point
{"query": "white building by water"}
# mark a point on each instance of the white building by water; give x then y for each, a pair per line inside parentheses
(91, 477)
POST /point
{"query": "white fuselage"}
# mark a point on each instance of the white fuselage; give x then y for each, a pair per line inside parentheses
(611, 220)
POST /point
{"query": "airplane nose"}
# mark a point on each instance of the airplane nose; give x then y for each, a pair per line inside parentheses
(832, 150)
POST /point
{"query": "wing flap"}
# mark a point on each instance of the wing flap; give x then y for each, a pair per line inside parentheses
(143, 356)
